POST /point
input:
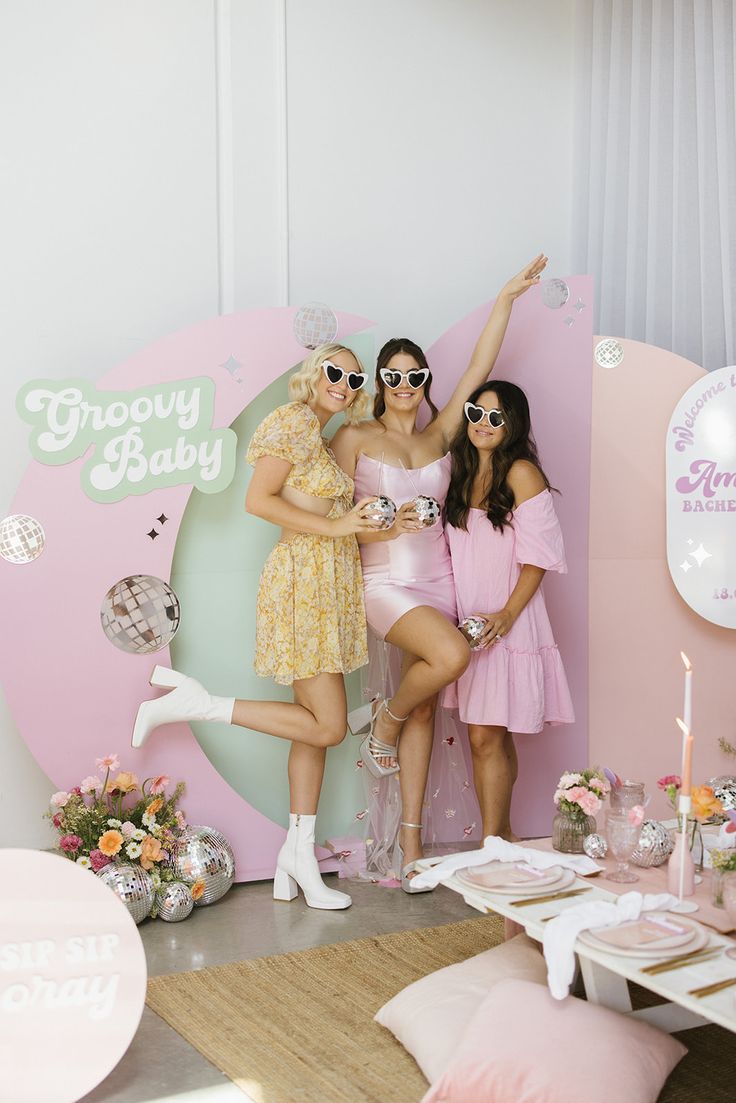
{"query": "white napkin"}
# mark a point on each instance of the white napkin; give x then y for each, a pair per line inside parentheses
(560, 933)
(495, 848)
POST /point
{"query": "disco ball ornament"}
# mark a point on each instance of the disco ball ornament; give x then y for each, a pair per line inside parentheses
(428, 510)
(174, 902)
(132, 885)
(382, 511)
(471, 628)
(140, 614)
(655, 845)
(314, 325)
(555, 293)
(595, 846)
(22, 538)
(204, 853)
(724, 788)
(609, 353)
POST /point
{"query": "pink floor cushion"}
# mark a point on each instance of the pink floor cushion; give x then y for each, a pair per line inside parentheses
(523, 1046)
(429, 1017)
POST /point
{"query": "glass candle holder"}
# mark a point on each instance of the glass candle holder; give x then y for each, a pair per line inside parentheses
(627, 795)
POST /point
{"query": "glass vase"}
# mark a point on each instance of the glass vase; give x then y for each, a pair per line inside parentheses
(716, 887)
(697, 848)
(569, 832)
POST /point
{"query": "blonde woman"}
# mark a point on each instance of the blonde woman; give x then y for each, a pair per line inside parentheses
(310, 617)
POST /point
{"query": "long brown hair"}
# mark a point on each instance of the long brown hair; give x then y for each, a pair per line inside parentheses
(390, 349)
(518, 444)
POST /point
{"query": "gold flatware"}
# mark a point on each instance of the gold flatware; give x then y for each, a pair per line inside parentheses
(711, 989)
(528, 900)
(693, 958)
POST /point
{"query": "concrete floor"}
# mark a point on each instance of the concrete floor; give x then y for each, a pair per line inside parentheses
(247, 923)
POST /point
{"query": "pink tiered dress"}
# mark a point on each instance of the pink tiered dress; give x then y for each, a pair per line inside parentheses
(519, 681)
(415, 568)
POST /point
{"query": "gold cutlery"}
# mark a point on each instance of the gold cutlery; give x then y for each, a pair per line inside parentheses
(525, 903)
(711, 989)
(681, 962)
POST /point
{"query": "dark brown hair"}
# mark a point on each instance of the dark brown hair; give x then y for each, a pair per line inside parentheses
(517, 444)
(390, 349)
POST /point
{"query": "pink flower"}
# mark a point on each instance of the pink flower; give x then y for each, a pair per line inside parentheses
(70, 843)
(91, 784)
(57, 819)
(669, 779)
(127, 829)
(60, 799)
(75, 792)
(636, 815)
(181, 820)
(99, 860)
(158, 784)
(575, 793)
(589, 802)
(109, 762)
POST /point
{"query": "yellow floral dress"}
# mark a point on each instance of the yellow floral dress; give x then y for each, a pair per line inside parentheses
(310, 616)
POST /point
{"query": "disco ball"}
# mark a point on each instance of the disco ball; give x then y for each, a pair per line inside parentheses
(174, 902)
(609, 353)
(314, 325)
(428, 510)
(22, 538)
(724, 788)
(595, 846)
(132, 885)
(471, 628)
(202, 852)
(655, 845)
(140, 614)
(555, 293)
(382, 511)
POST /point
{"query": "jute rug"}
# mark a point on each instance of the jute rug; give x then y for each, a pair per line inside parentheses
(298, 1028)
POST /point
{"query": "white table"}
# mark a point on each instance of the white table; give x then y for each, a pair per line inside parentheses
(605, 974)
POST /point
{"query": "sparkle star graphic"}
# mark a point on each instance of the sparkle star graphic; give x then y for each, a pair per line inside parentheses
(686, 566)
(700, 555)
(162, 519)
(153, 534)
(579, 305)
(569, 321)
(232, 367)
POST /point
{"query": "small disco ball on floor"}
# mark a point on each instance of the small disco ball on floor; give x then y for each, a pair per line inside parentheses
(22, 538)
(140, 614)
(132, 885)
(174, 902)
(203, 853)
(314, 325)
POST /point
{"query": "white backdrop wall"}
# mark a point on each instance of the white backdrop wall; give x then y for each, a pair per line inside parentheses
(163, 162)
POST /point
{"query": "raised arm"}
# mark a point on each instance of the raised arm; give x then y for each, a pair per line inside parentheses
(487, 346)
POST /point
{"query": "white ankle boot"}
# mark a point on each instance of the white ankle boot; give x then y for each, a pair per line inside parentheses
(188, 701)
(297, 865)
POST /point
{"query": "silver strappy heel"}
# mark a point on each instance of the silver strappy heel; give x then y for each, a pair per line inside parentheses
(407, 882)
(372, 748)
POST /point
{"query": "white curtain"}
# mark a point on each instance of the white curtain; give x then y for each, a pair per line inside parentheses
(654, 214)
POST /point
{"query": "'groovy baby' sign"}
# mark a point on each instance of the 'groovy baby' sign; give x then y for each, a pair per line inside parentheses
(701, 497)
(144, 439)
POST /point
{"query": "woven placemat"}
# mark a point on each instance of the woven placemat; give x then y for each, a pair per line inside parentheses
(298, 1028)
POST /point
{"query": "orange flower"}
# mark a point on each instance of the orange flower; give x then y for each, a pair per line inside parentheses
(110, 843)
(198, 889)
(151, 851)
(705, 803)
(124, 783)
(155, 806)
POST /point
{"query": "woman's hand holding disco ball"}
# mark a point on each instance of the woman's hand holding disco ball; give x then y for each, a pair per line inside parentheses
(361, 518)
(495, 627)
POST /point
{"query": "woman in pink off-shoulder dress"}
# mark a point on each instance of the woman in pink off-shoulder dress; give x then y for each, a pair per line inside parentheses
(503, 535)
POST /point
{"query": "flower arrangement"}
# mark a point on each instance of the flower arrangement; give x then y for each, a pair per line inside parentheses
(724, 860)
(581, 794)
(96, 828)
(705, 804)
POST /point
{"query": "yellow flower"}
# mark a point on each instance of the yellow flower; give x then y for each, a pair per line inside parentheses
(155, 806)
(110, 843)
(705, 802)
(124, 783)
(151, 851)
(198, 889)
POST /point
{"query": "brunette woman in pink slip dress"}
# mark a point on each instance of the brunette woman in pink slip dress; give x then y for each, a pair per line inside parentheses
(503, 535)
(409, 591)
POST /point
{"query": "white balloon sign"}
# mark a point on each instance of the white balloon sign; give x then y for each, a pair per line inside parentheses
(701, 497)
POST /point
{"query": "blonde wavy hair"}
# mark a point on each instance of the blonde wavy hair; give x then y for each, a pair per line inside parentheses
(303, 383)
